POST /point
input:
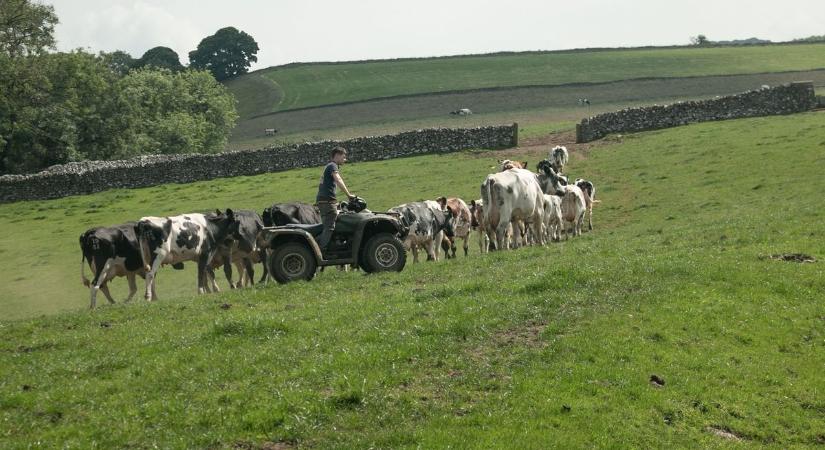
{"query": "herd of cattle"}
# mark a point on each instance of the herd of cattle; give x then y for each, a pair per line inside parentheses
(517, 207)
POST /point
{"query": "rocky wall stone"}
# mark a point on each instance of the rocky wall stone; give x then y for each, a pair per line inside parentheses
(94, 176)
(768, 101)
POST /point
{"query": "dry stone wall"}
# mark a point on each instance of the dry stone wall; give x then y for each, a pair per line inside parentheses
(784, 99)
(95, 176)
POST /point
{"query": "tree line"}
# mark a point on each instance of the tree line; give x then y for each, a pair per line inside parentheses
(59, 107)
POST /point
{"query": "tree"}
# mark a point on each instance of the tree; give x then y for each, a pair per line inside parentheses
(161, 58)
(54, 108)
(118, 61)
(165, 112)
(26, 28)
(699, 40)
(226, 54)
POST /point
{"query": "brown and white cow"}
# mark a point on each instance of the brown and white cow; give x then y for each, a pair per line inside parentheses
(477, 214)
(589, 190)
(506, 164)
(509, 197)
(462, 223)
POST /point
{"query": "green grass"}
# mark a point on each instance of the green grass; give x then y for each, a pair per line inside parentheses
(322, 84)
(536, 348)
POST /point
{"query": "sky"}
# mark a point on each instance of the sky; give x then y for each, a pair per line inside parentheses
(338, 30)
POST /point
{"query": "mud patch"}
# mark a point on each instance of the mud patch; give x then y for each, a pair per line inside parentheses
(724, 432)
(528, 335)
(790, 257)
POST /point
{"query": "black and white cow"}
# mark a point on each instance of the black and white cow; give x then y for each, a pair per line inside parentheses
(281, 214)
(187, 237)
(428, 223)
(558, 158)
(242, 249)
(110, 252)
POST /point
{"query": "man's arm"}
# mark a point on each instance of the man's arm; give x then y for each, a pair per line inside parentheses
(340, 182)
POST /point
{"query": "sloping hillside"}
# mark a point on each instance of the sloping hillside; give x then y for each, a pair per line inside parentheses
(533, 348)
(305, 85)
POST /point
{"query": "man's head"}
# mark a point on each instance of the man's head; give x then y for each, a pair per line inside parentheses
(339, 155)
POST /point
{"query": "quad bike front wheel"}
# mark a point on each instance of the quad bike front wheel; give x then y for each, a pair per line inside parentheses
(383, 252)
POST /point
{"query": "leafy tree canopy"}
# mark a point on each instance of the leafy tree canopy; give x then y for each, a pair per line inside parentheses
(26, 28)
(226, 54)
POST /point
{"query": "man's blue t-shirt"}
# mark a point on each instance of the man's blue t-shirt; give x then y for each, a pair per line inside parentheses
(326, 189)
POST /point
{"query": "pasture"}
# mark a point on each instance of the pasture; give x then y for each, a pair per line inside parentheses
(305, 101)
(535, 348)
(306, 85)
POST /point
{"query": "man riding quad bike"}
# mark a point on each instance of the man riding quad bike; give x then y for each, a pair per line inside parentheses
(368, 240)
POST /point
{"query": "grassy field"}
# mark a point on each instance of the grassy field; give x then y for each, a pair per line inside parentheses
(536, 348)
(553, 104)
(302, 86)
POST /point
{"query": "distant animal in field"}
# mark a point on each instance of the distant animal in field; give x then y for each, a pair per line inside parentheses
(558, 158)
(461, 112)
(270, 131)
(506, 164)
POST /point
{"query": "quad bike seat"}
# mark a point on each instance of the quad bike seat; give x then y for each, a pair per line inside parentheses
(314, 229)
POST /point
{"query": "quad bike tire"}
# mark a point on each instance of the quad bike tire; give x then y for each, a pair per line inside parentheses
(291, 262)
(383, 252)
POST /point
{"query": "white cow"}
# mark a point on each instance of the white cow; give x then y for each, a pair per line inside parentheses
(573, 207)
(552, 217)
(510, 197)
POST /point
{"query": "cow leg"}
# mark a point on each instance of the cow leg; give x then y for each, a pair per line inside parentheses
(414, 248)
(466, 243)
(250, 271)
(101, 271)
(433, 248)
(150, 277)
(227, 270)
(130, 277)
(590, 218)
(202, 274)
(517, 237)
(501, 235)
(209, 275)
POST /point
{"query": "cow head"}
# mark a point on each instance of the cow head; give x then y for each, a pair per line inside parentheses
(223, 224)
(442, 201)
(448, 225)
(267, 217)
(475, 213)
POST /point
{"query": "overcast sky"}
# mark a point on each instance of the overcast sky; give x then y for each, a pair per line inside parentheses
(339, 30)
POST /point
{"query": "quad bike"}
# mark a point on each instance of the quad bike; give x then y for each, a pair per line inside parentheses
(371, 241)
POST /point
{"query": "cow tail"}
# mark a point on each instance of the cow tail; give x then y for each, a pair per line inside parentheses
(488, 190)
(145, 252)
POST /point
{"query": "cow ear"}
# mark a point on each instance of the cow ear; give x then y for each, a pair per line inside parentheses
(230, 214)
(218, 211)
(442, 201)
